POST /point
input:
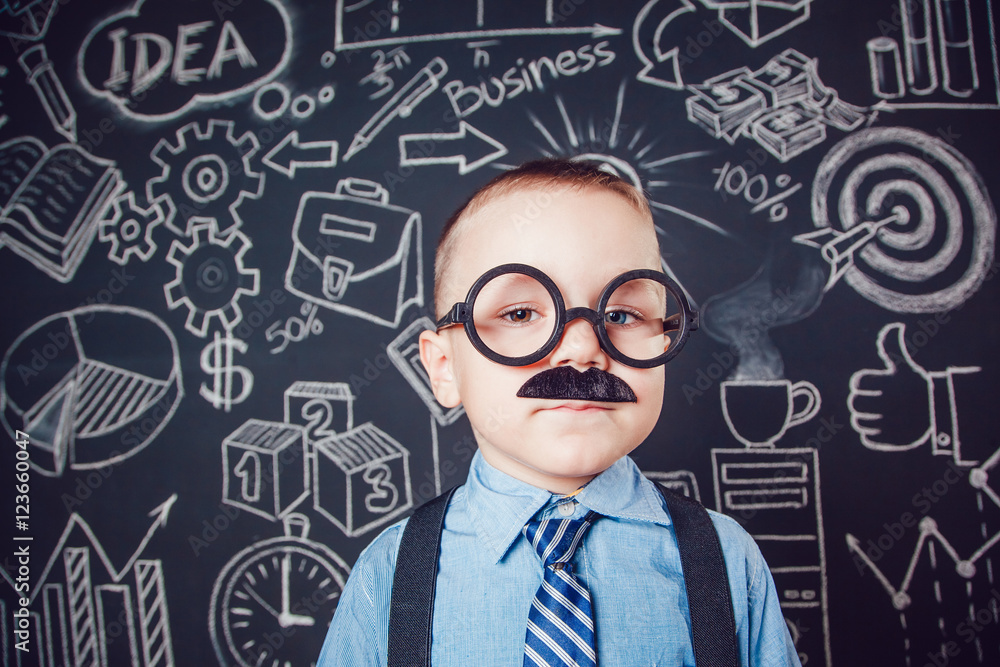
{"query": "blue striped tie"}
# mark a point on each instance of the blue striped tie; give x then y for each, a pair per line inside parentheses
(561, 620)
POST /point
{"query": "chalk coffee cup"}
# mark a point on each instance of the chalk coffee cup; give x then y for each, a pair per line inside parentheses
(759, 412)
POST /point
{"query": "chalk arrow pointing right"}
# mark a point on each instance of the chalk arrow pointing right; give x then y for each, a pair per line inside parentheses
(478, 150)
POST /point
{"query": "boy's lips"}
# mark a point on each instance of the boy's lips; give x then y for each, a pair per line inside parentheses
(576, 406)
(568, 384)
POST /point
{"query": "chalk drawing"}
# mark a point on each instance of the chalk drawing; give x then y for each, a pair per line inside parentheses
(294, 329)
(904, 219)
(210, 276)
(321, 408)
(276, 110)
(759, 21)
(28, 20)
(274, 588)
(205, 175)
(217, 361)
(196, 51)
(73, 616)
(946, 57)
(49, 89)
(775, 494)
(351, 245)
(660, 28)
(612, 151)
(385, 62)
(129, 229)
(784, 106)
(875, 393)
(935, 556)
(662, 67)
(468, 154)
(759, 412)
(404, 352)
(735, 180)
(886, 67)
(400, 105)
(4, 118)
(265, 469)
(680, 481)
(356, 29)
(290, 154)
(361, 479)
(53, 200)
(93, 386)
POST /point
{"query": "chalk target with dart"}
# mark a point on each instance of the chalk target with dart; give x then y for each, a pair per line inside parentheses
(904, 219)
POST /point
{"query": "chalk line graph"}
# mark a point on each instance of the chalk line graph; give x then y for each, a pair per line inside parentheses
(930, 534)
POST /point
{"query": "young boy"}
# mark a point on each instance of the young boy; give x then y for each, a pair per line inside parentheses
(554, 438)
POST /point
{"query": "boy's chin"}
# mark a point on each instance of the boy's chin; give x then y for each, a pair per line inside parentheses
(581, 456)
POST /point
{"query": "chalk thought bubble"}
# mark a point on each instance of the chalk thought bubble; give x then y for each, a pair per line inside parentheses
(161, 58)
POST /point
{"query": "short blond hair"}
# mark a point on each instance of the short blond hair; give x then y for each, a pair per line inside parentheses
(550, 172)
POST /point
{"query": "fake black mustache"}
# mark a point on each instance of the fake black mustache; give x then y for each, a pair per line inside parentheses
(567, 383)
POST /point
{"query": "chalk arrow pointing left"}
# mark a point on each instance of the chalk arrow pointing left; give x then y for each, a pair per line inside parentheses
(477, 150)
(291, 154)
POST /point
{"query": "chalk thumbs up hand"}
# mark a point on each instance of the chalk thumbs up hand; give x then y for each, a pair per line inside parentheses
(892, 407)
(902, 405)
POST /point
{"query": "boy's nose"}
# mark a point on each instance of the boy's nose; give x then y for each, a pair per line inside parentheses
(579, 347)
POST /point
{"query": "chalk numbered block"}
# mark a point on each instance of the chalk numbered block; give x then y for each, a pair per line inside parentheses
(321, 408)
(361, 479)
(264, 468)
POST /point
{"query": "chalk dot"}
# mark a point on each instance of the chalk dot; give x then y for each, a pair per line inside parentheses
(928, 525)
(902, 214)
(303, 106)
(276, 93)
(130, 230)
(901, 601)
(965, 569)
(978, 478)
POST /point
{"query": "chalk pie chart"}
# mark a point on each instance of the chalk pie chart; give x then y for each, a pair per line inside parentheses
(90, 387)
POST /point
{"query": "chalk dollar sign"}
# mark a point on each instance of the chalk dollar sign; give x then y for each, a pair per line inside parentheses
(217, 361)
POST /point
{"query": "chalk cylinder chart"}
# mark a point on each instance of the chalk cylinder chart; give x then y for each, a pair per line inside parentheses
(216, 255)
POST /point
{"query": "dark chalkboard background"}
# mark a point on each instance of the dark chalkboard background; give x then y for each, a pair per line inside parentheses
(218, 230)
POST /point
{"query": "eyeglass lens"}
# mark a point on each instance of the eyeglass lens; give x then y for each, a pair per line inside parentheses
(515, 315)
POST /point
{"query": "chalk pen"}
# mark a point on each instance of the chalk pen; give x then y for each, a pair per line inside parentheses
(425, 82)
(42, 77)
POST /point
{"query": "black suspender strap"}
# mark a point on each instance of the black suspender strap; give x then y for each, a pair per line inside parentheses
(411, 609)
(713, 626)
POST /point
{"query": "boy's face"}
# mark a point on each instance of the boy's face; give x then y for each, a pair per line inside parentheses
(582, 238)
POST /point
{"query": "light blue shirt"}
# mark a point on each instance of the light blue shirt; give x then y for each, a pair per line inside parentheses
(489, 574)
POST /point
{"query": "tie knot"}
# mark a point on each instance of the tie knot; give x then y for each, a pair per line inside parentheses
(555, 540)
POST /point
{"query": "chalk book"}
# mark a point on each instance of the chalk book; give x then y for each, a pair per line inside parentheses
(53, 200)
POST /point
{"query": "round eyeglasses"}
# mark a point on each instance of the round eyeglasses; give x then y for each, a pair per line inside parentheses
(515, 315)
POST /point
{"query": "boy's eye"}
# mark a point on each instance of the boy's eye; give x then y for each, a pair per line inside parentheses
(619, 317)
(519, 315)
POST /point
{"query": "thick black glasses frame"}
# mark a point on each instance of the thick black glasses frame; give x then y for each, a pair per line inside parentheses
(683, 323)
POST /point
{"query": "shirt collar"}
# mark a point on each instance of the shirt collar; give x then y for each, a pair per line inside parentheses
(499, 505)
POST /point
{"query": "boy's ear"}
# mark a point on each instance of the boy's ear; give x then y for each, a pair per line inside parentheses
(436, 356)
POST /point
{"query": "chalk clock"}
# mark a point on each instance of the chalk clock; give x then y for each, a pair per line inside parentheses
(273, 601)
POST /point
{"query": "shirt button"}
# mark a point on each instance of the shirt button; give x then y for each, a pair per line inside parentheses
(567, 509)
